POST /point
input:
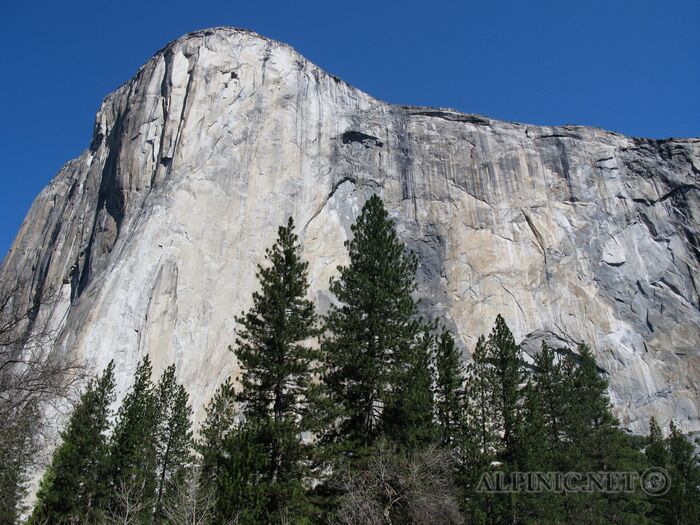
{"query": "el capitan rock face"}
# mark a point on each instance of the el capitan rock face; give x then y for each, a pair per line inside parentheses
(151, 236)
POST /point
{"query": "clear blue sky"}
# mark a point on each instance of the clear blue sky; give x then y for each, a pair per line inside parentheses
(629, 66)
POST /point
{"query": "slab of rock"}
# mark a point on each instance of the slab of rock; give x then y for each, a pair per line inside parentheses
(150, 237)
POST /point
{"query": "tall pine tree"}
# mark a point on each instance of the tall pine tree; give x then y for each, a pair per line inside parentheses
(449, 388)
(372, 333)
(684, 471)
(134, 451)
(409, 415)
(75, 486)
(278, 364)
(173, 440)
(508, 375)
(233, 462)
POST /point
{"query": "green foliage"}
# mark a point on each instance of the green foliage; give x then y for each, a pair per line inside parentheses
(173, 438)
(75, 486)
(681, 504)
(507, 376)
(134, 447)
(15, 457)
(449, 377)
(278, 365)
(241, 484)
(409, 416)
(219, 422)
(373, 338)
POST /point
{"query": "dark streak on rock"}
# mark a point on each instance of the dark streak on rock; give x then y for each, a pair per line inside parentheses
(356, 136)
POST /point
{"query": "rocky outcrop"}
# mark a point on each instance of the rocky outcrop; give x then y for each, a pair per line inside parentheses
(151, 236)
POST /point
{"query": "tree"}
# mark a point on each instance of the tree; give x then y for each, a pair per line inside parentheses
(221, 414)
(397, 486)
(684, 470)
(188, 504)
(218, 435)
(409, 415)
(481, 402)
(133, 451)
(33, 381)
(508, 375)
(174, 438)
(74, 487)
(243, 490)
(371, 332)
(656, 451)
(449, 388)
(278, 365)
(595, 443)
(549, 381)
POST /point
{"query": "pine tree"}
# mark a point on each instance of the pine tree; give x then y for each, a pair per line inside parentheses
(371, 332)
(409, 415)
(684, 471)
(214, 446)
(549, 381)
(74, 487)
(242, 486)
(507, 376)
(133, 451)
(534, 452)
(220, 419)
(595, 443)
(480, 437)
(481, 407)
(656, 452)
(449, 388)
(174, 438)
(278, 366)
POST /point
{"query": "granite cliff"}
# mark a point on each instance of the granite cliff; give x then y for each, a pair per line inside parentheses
(148, 240)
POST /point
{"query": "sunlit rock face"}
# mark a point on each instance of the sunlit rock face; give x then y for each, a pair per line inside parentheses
(573, 234)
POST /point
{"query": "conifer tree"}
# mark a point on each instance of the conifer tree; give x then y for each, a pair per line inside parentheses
(242, 487)
(480, 437)
(534, 452)
(507, 377)
(656, 452)
(371, 332)
(449, 388)
(683, 498)
(481, 406)
(133, 451)
(595, 443)
(174, 438)
(230, 463)
(278, 365)
(409, 414)
(221, 413)
(74, 487)
(549, 381)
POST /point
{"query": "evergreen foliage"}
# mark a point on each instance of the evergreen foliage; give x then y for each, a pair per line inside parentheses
(278, 365)
(134, 447)
(409, 416)
(373, 337)
(220, 420)
(74, 488)
(173, 439)
(676, 454)
(383, 421)
(449, 377)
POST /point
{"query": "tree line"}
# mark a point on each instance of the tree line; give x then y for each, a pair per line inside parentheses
(366, 415)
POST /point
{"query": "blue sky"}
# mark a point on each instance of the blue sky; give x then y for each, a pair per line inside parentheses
(629, 66)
